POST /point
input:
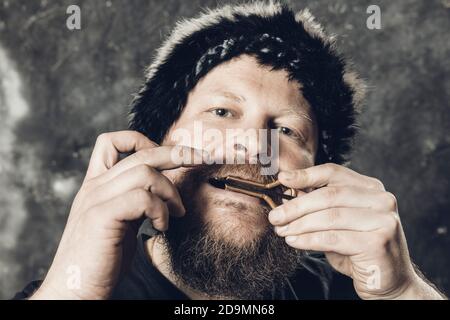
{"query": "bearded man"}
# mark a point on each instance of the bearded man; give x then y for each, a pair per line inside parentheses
(255, 66)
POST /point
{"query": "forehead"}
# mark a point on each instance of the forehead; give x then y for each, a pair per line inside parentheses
(245, 78)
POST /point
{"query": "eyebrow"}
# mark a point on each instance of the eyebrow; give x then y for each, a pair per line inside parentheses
(293, 112)
(231, 96)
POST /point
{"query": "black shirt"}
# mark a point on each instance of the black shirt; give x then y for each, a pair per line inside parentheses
(144, 281)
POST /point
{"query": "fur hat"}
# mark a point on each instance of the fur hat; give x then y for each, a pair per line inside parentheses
(276, 37)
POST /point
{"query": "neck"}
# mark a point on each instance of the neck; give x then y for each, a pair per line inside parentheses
(157, 253)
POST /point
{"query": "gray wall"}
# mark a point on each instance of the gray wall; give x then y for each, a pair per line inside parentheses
(59, 89)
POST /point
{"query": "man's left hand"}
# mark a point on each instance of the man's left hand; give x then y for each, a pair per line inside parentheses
(355, 222)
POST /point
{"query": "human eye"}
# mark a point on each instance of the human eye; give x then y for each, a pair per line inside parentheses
(285, 131)
(291, 133)
(221, 112)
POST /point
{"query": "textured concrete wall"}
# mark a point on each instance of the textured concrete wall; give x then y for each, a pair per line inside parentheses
(59, 89)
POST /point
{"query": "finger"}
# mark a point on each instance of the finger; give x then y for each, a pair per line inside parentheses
(132, 206)
(342, 242)
(140, 177)
(351, 219)
(328, 174)
(330, 197)
(108, 147)
(160, 158)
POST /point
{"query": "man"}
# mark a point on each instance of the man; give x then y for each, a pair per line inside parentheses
(256, 66)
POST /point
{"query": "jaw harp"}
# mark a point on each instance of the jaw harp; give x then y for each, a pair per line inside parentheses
(271, 192)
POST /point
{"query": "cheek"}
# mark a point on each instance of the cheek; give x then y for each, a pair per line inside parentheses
(295, 158)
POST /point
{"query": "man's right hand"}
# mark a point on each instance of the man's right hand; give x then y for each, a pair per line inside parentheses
(113, 194)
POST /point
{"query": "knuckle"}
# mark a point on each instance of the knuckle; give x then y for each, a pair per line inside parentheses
(333, 216)
(391, 222)
(138, 136)
(135, 134)
(390, 200)
(375, 183)
(102, 138)
(330, 237)
(332, 167)
(331, 194)
(160, 223)
(141, 196)
(304, 175)
(154, 206)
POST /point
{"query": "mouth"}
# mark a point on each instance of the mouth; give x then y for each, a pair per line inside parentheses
(240, 184)
(271, 193)
(232, 194)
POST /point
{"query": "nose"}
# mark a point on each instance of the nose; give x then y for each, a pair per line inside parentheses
(248, 145)
(242, 153)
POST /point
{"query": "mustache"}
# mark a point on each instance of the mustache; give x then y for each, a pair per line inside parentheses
(254, 172)
(194, 177)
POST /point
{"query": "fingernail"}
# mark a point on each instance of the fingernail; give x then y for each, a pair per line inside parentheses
(281, 230)
(287, 175)
(276, 215)
(291, 239)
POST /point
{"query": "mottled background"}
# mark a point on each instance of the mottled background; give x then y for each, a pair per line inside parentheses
(60, 89)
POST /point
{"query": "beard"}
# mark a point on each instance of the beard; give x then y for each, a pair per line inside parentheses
(235, 254)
